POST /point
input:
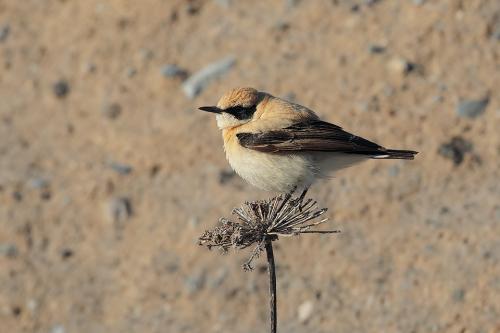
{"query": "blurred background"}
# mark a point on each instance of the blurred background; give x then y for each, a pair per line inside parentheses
(108, 173)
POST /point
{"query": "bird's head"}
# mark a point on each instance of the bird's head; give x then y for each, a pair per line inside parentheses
(236, 107)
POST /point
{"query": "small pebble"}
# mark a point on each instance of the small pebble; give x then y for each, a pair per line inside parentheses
(38, 183)
(146, 55)
(195, 282)
(458, 295)
(112, 111)
(173, 71)
(192, 9)
(4, 32)
(66, 253)
(292, 3)
(32, 305)
(388, 91)
(194, 221)
(400, 66)
(61, 88)
(16, 310)
(8, 250)
(154, 170)
(58, 329)
(16, 195)
(45, 194)
(119, 209)
(494, 29)
(122, 169)
(282, 26)
(223, 3)
(305, 311)
(376, 49)
(89, 68)
(455, 149)
(355, 8)
(472, 108)
(195, 84)
(130, 72)
(225, 176)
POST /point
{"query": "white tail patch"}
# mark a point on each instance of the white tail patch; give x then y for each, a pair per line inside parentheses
(380, 156)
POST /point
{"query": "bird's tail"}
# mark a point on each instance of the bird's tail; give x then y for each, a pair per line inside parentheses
(396, 154)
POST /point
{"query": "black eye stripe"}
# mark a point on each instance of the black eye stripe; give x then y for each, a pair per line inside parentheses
(240, 112)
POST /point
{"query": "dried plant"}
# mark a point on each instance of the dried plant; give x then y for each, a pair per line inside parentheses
(261, 223)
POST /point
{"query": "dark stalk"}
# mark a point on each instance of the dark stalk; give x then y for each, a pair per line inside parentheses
(272, 284)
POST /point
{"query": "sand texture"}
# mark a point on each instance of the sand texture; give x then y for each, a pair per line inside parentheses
(108, 173)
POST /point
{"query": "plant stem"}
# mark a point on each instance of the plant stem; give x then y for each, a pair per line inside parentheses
(272, 284)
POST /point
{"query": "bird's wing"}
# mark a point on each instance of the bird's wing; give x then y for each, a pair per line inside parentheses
(310, 135)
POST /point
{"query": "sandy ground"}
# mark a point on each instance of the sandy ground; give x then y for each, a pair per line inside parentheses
(108, 174)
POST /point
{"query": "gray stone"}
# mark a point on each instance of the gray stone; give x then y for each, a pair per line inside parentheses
(38, 183)
(455, 149)
(195, 84)
(194, 221)
(173, 71)
(18, 196)
(292, 3)
(472, 108)
(493, 27)
(376, 49)
(8, 250)
(458, 295)
(122, 169)
(131, 71)
(89, 68)
(192, 8)
(61, 88)
(282, 26)
(195, 282)
(58, 329)
(111, 110)
(119, 209)
(146, 55)
(4, 32)
(225, 176)
(223, 3)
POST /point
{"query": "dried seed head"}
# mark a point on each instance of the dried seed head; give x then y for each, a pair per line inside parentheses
(265, 219)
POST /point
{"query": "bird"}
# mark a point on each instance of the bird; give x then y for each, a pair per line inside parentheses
(280, 146)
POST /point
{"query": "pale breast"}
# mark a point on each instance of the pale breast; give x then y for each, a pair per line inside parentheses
(271, 172)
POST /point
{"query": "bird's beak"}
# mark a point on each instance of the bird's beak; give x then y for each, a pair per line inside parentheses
(212, 109)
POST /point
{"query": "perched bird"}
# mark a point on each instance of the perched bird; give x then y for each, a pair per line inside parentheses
(280, 146)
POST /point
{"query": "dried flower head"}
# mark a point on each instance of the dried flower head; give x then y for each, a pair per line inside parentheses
(265, 220)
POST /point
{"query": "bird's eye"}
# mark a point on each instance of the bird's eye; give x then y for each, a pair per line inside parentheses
(241, 112)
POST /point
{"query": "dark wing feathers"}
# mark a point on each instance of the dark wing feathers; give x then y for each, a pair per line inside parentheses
(316, 135)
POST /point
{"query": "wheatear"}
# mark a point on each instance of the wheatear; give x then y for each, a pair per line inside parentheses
(277, 145)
